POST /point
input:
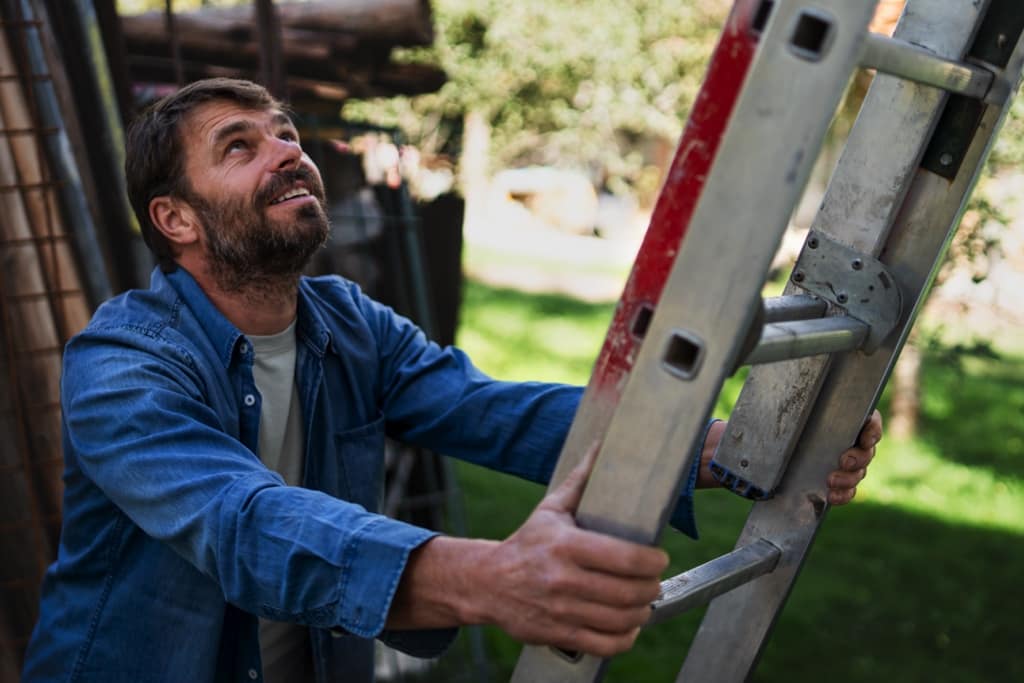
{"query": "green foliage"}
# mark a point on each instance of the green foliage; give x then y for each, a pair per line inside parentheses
(577, 84)
(915, 581)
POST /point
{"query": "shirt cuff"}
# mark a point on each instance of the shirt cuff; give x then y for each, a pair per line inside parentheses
(379, 553)
(683, 517)
(423, 643)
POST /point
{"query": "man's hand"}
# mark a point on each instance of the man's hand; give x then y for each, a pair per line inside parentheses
(842, 482)
(853, 463)
(560, 585)
(549, 583)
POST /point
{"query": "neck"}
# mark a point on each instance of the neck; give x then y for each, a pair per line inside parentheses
(263, 307)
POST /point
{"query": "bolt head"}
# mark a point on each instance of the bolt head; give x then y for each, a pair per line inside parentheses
(857, 264)
(842, 297)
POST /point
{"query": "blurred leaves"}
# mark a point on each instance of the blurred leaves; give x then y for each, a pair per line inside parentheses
(583, 84)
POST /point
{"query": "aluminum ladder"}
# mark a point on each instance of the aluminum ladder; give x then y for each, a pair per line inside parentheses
(692, 310)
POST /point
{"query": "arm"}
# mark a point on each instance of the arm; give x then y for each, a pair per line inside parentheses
(139, 426)
(548, 583)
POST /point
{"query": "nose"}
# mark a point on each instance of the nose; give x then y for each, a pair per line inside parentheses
(286, 154)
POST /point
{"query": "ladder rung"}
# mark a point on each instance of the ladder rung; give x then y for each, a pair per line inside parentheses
(699, 585)
(906, 60)
(799, 338)
(793, 307)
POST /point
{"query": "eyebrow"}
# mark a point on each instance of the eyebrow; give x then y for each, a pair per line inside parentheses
(239, 127)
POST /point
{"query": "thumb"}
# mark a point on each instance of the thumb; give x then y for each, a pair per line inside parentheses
(566, 496)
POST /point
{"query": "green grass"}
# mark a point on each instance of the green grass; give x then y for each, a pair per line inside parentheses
(917, 580)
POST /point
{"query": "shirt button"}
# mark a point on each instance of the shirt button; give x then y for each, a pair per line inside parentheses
(243, 348)
(254, 674)
(249, 400)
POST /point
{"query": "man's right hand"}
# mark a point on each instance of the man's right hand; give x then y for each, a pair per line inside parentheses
(553, 583)
(549, 583)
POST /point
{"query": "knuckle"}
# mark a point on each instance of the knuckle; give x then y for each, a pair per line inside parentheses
(651, 592)
(559, 609)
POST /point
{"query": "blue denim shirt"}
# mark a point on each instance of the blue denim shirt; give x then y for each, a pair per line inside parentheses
(176, 537)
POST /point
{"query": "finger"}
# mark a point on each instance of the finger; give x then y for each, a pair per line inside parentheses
(597, 643)
(606, 589)
(570, 610)
(566, 496)
(871, 432)
(840, 480)
(856, 459)
(611, 555)
(841, 497)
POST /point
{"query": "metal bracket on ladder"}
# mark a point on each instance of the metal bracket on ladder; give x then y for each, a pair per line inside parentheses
(855, 282)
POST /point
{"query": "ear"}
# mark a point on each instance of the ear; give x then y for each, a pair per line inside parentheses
(175, 219)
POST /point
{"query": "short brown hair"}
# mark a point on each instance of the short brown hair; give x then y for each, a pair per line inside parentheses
(154, 151)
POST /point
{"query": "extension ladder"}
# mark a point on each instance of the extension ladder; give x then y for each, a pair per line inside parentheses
(692, 311)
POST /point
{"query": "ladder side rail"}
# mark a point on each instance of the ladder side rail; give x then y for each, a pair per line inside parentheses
(698, 146)
(768, 152)
(867, 187)
(737, 624)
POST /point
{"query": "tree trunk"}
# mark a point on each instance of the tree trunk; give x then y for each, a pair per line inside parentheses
(905, 407)
(473, 167)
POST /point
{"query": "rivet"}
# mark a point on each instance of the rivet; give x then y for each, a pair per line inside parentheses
(798, 276)
(813, 243)
(744, 463)
(857, 264)
(842, 297)
(946, 159)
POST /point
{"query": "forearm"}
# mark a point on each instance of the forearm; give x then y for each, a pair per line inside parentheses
(439, 587)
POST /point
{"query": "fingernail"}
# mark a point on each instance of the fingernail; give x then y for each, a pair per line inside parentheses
(849, 461)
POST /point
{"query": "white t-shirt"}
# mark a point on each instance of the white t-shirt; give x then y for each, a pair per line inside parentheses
(284, 646)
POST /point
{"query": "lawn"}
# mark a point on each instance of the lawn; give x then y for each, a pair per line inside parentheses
(917, 580)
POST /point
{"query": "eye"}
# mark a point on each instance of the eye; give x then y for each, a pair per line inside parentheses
(236, 145)
(289, 135)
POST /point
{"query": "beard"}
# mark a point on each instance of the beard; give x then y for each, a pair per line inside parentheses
(250, 253)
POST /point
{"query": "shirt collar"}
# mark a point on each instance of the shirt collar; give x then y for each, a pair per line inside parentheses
(224, 335)
(221, 332)
(311, 326)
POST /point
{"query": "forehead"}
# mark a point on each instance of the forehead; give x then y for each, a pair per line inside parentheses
(205, 125)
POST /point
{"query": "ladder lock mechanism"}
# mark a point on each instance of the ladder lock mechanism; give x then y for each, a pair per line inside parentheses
(856, 282)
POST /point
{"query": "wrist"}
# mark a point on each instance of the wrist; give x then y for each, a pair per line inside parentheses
(712, 438)
(443, 585)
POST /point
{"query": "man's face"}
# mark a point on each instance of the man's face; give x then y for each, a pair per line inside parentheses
(259, 198)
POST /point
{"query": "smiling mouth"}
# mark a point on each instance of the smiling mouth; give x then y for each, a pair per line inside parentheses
(291, 194)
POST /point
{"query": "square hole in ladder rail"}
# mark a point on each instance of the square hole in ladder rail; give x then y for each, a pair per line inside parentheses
(812, 34)
(761, 17)
(683, 354)
(642, 320)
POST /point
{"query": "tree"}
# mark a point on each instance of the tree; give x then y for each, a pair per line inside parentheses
(588, 84)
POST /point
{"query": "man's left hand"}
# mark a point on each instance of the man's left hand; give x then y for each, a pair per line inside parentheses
(842, 481)
(853, 463)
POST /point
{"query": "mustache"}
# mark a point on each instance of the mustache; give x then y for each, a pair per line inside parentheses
(287, 179)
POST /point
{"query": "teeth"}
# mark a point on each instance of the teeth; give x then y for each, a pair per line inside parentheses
(297, 192)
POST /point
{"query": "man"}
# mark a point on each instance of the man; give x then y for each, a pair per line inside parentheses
(223, 440)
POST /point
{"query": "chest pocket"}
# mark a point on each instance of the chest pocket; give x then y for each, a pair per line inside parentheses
(361, 464)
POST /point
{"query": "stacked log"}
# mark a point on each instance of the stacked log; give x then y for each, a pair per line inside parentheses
(41, 305)
(331, 51)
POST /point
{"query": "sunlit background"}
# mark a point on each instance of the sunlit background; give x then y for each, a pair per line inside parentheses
(556, 123)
